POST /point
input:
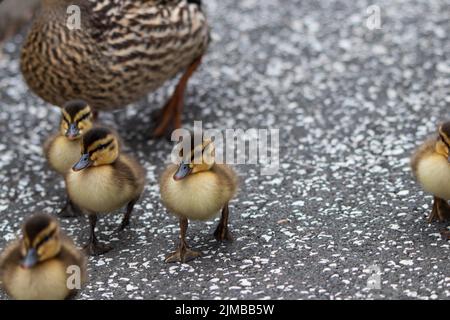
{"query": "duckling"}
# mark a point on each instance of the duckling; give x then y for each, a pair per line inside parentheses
(431, 167)
(37, 267)
(104, 180)
(197, 189)
(63, 149)
(121, 51)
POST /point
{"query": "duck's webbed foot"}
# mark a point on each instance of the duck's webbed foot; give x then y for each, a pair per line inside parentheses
(440, 211)
(94, 247)
(183, 254)
(70, 210)
(222, 232)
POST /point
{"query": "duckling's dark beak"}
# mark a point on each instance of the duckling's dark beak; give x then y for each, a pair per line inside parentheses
(183, 171)
(448, 158)
(31, 259)
(73, 132)
(83, 163)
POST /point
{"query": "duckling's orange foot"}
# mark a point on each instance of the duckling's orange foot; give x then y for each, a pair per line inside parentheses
(440, 211)
(183, 255)
(70, 210)
(223, 234)
(96, 249)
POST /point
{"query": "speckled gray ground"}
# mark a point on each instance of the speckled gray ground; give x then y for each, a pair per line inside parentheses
(351, 103)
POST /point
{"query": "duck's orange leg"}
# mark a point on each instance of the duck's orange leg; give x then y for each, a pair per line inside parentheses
(174, 107)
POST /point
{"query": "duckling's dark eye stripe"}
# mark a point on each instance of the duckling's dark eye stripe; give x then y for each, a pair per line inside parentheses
(84, 117)
(443, 140)
(102, 146)
(65, 119)
(46, 238)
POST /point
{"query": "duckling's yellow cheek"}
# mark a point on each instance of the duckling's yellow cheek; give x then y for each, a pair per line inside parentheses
(84, 125)
(441, 149)
(95, 157)
(64, 128)
(23, 250)
(42, 252)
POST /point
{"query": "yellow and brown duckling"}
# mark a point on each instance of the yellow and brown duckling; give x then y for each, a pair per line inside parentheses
(431, 167)
(197, 189)
(63, 149)
(104, 180)
(38, 266)
(121, 51)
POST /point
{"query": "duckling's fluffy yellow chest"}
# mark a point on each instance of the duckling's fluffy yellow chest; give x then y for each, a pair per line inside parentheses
(62, 153)
(98, 190)
(46, 281)
(433, 173)
(200, 196)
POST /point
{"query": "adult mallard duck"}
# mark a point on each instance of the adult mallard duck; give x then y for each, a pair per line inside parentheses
(431, 167)
(38, 266)
(104, 180)
(122, 50)
(198, 189)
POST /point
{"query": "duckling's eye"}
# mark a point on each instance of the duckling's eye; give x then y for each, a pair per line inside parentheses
(45, 239)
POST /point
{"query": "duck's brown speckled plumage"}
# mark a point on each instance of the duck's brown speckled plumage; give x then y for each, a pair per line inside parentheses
(124, 49)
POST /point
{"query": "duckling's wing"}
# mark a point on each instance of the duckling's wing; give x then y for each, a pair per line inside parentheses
(72, 256)
(9, 257)
(425, 148)
(227, 178)
(129, 172)
(48, 143)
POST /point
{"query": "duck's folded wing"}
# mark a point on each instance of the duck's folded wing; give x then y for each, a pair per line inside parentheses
(10, 256)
